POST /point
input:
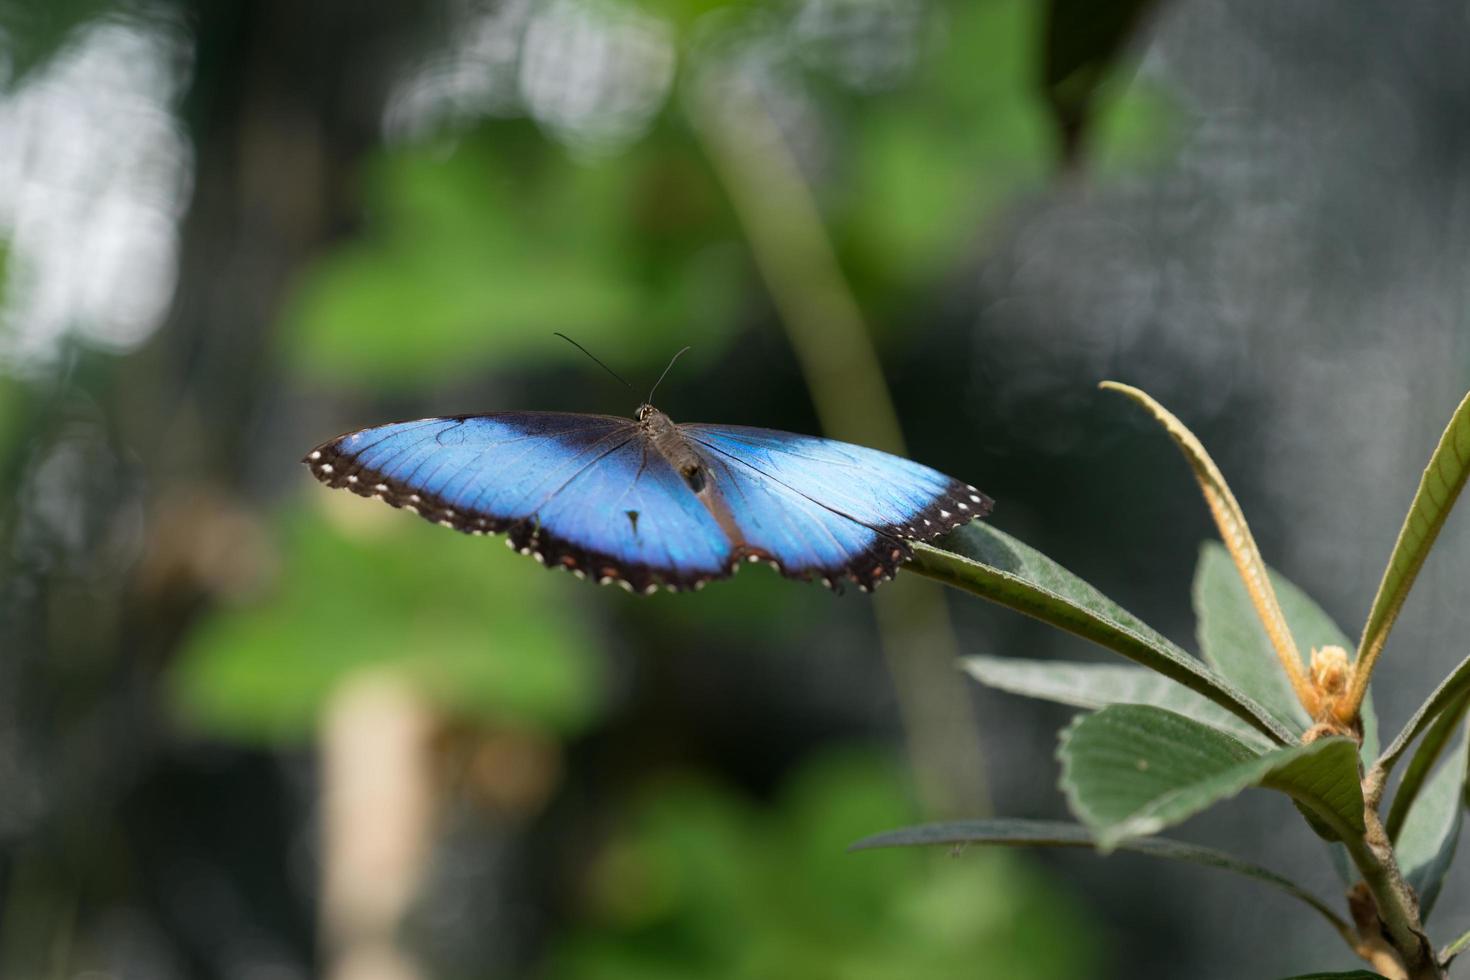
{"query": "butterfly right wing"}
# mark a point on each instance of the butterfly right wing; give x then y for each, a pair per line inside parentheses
(893, 495)
(828, 510)
(582, 492)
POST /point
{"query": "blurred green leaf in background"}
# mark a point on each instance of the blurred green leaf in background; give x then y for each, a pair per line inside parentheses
(383, 209)
(483, 235)
(467, 626)
(474, 257)
(701, 882)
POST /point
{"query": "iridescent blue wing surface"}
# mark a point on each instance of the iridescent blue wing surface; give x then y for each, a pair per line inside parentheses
(595, 494)
(818, 508)
(582, 492)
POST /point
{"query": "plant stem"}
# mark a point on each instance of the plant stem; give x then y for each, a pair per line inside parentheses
(825, 327)
(1398, 909)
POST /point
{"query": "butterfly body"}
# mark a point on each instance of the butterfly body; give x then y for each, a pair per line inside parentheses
(665, 436)
(647, 502)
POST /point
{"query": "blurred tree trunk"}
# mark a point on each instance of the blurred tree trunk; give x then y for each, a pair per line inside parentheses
(378, 805)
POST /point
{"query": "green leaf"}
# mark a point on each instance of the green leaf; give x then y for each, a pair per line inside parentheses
(1232, 639)
(462, 619)
(1095, 686)
(691, 879)
(1044, 833)
(1425, 757)
(1439, 488)
(1426, 844)
(1448, 693)
(474, 256)
(917, 185)
(1131, 770)
(991, 564)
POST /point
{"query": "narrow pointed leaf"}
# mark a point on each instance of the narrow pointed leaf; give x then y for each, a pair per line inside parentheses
(1132, 770)
(1439, 735)
(1439, 488)
(1236, 534)
(1045, 833)
(1096, 686)
(991, 564)
(1449, 693)
(1426, 844)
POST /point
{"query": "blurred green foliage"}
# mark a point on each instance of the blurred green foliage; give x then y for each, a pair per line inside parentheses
(475, 241)
(473, 257)
(1083, 40)
(35, 29)
(477, 631)
(481, 241)
(12, 429)
(701, 882)
(12, 422)
(932, 160)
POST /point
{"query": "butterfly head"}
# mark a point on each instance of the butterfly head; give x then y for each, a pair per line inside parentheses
(656, 423)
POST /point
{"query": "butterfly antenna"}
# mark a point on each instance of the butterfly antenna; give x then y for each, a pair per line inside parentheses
(664, 375)
(594, 358)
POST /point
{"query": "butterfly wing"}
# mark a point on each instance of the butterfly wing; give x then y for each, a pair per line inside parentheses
(632, 519)
(583, 492)
(819, 508)
(592, 494)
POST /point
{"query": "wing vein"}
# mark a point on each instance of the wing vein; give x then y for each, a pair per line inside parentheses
(751, 466)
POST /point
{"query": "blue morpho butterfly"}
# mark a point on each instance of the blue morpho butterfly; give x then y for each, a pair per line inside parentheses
(646, 502)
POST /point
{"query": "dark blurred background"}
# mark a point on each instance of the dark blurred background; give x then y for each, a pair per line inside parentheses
(251, 729)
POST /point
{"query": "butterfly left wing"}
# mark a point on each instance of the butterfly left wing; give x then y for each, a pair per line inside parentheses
(470, 472)
(582, 492)
(825, 509)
